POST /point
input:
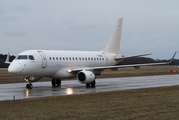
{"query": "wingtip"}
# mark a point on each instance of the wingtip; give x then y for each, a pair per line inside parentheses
(173, 57)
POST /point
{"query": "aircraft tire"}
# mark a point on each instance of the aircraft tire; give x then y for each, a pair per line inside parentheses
(29, 86)
(93, 83)
(58, 82)
(53, 82)
(87, 84)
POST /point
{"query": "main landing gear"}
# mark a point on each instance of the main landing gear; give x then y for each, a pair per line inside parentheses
(56, 82)
(29, 86)
(92, 84)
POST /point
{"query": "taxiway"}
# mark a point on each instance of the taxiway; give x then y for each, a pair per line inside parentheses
(43, 89)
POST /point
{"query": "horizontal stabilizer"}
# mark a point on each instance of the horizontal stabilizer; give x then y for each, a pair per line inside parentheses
(121, 58)
(7, 59)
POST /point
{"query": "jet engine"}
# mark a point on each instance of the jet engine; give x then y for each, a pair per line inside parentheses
(85, 77)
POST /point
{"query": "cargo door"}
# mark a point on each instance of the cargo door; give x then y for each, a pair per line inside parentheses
(44, 59)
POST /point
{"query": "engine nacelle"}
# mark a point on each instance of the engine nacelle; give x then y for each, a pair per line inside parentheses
(85, 77)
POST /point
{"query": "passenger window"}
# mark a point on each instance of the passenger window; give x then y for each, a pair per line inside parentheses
(70, 58)
(50, 58)
(73, 58)
(91, 58)
(88, 58)
(82, 58)
(57, 58)
(53, 58)
(63, 58)
(85, 58)
(97, 58)
(60, 58)
(79, 58)
(94, 58)
(76, 58)
(66, 58)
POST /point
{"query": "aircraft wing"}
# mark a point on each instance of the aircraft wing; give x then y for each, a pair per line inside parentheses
(121, 66)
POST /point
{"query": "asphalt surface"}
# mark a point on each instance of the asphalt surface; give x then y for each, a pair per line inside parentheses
(42, 89)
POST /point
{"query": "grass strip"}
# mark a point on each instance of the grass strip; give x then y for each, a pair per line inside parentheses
(138, 104)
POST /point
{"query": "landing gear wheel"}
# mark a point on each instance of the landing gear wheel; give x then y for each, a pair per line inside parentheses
(87, 84)
(29, 86)
(53, 82)
(56, 82)
(93, 83)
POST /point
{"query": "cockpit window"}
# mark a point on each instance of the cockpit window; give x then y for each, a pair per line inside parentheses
(31, 57)
(17, 57)
(22, 57)
(25, 57)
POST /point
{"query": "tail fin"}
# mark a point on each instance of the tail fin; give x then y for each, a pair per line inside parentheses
(114, 41)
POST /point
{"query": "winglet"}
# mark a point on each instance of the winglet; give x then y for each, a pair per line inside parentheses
(7, 59)
(172, 58)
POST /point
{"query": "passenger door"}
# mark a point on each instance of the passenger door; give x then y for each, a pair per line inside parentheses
(44, 59)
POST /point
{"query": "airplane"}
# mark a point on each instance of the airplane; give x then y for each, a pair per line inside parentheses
(83, 65)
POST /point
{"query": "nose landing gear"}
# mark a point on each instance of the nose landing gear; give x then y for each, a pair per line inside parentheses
(30, 80)
(29, 86)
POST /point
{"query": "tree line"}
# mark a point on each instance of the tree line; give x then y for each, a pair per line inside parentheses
(3, 59)
(143, 60)
(136, 60)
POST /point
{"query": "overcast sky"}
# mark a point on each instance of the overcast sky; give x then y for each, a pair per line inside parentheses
(149, 26)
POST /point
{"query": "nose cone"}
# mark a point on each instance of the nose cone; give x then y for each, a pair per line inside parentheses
(12, 69)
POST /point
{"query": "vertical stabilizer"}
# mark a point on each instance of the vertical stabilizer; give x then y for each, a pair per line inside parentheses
(114, 41)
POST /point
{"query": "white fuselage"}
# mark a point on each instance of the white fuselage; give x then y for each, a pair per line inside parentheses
(84, 65)
(54, 63)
